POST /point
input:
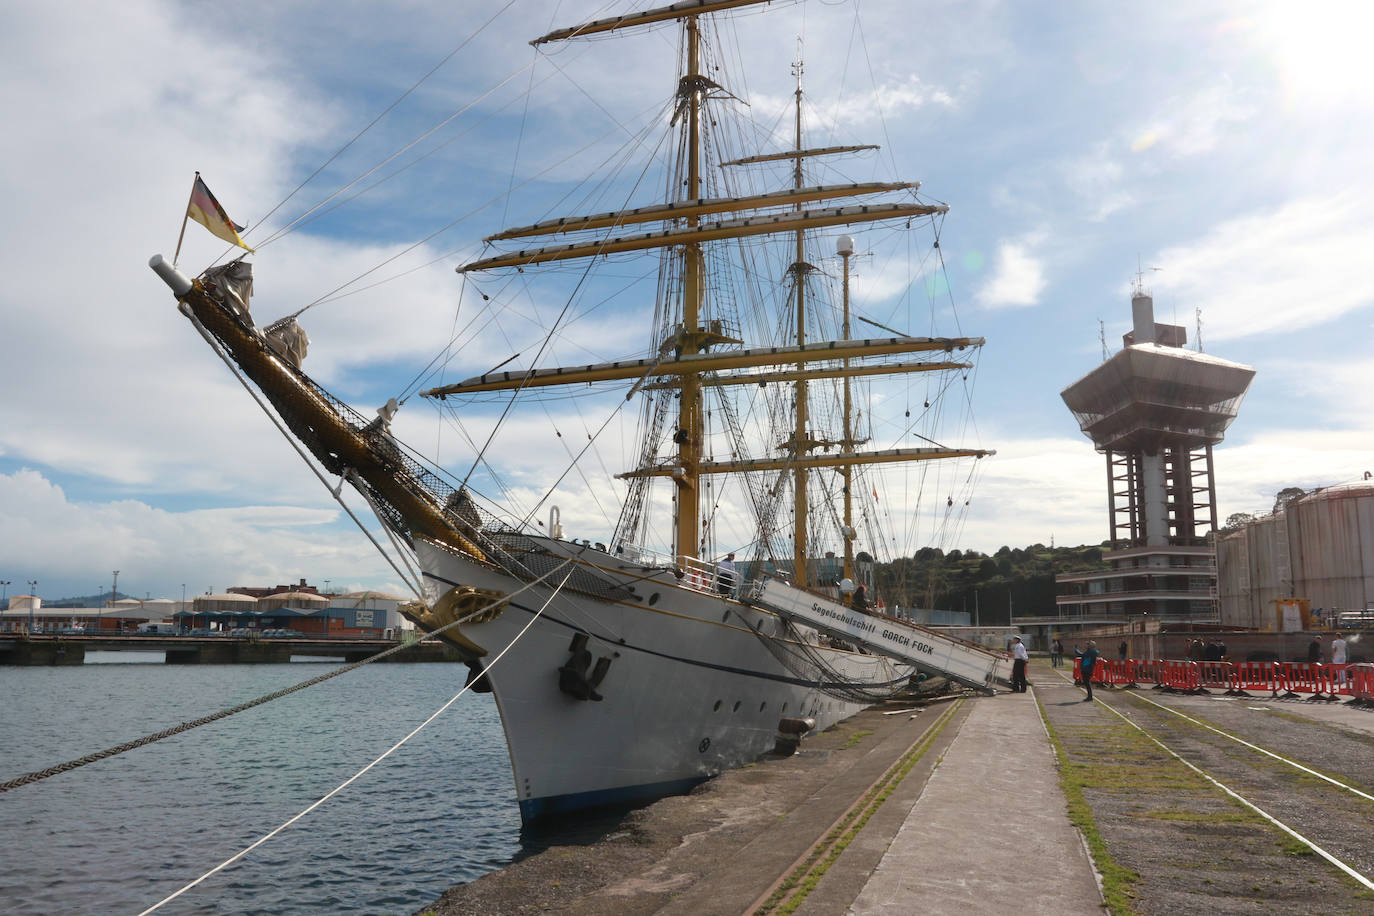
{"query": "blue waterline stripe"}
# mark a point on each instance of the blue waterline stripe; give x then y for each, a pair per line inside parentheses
(535, 808)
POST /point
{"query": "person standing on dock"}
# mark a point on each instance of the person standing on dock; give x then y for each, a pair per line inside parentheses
(1338, 657)
(1314, 651)
(1019, 657)
(1057, 654)
(1087, 662)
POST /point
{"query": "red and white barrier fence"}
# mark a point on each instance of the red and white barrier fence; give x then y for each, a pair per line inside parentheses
(1286, 679)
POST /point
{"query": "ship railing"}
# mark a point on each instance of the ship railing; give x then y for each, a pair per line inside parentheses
(692, 572)
(704, 576)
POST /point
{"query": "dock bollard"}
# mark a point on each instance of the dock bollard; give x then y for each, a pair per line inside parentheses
(790, 732)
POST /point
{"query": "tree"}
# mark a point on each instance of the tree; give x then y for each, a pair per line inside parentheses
(1236, 521)
(1285, 495)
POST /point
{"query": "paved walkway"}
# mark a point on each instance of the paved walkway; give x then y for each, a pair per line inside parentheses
(990, 833)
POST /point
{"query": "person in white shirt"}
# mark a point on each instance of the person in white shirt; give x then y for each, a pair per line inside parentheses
(725, 575)
(1019, 657)
(1338, 657)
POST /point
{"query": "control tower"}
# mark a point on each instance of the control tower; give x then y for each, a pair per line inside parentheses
(1155, 410)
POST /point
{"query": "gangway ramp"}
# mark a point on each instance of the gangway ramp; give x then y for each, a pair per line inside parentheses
(930, 651)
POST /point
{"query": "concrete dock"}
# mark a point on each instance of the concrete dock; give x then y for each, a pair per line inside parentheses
(991, 806)
(959, 807)
(958, 831)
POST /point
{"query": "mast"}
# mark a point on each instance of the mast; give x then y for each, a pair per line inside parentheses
(688, 359)
(845, 248)
(800, 443)
(689, 432)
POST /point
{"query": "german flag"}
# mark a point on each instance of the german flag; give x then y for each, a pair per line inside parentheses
(205, 210)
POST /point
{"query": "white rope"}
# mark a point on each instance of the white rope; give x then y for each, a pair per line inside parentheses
(346, 783)
(403, 551)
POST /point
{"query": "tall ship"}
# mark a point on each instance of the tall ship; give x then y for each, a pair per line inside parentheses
(640, 665)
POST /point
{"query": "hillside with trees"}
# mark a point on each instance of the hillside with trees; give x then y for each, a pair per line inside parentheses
(1014, 580)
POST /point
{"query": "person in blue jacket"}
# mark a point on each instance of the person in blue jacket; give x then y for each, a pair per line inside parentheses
(1087, 662)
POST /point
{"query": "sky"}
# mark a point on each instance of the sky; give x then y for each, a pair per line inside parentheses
(1218, 149)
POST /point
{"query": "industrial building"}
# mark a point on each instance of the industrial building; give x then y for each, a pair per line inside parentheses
(1316, 549)
(1154, 410)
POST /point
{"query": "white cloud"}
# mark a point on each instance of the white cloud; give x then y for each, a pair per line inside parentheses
(1033, 490)
(891, 100)
(1250, 474)
(1296, 265)
(1018, 277)
(1098, 180)
(1196, 123)
(44, 535)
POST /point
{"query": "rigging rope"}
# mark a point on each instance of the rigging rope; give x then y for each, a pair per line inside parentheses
(371, 124)
(295, 444)
(350, 780)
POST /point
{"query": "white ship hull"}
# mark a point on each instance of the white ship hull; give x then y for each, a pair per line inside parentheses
(690, 690)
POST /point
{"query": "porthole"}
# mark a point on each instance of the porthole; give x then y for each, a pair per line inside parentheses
(763, 706)
(736, 707)
(716, 708)
(784, 709)
(653, 599)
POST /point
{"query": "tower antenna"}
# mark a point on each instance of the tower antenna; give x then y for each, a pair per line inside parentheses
(1197, 314)
(1139, 287)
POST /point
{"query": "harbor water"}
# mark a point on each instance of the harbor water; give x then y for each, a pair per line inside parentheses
(120, 834)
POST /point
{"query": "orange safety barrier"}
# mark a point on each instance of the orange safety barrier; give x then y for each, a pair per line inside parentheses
(1216, 675)
(1116, 672)
(1099, 671)
(1253, 676)
(1362, 684)
(1281, 679)
(1147, 670)
(1179, 676)
(1301, 677)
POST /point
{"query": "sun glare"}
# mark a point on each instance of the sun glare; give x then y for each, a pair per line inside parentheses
(1321, 48)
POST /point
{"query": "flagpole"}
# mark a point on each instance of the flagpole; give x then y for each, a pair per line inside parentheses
(184, 218)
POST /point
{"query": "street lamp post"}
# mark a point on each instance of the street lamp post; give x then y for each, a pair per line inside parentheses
(183, 603)
(33, 597)
(4, 597)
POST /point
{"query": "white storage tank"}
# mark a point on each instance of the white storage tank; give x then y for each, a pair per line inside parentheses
(1320, 546)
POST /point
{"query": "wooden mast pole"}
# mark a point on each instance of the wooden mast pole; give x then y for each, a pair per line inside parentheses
(847, 471)
(689, 434)
(799, 435)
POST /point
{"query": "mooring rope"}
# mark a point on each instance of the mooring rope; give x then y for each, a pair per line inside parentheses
(350, 780)
(38, 775)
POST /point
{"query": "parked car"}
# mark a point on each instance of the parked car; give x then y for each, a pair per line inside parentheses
(292, 634)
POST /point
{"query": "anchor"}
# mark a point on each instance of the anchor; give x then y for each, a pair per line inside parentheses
(573, 676)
